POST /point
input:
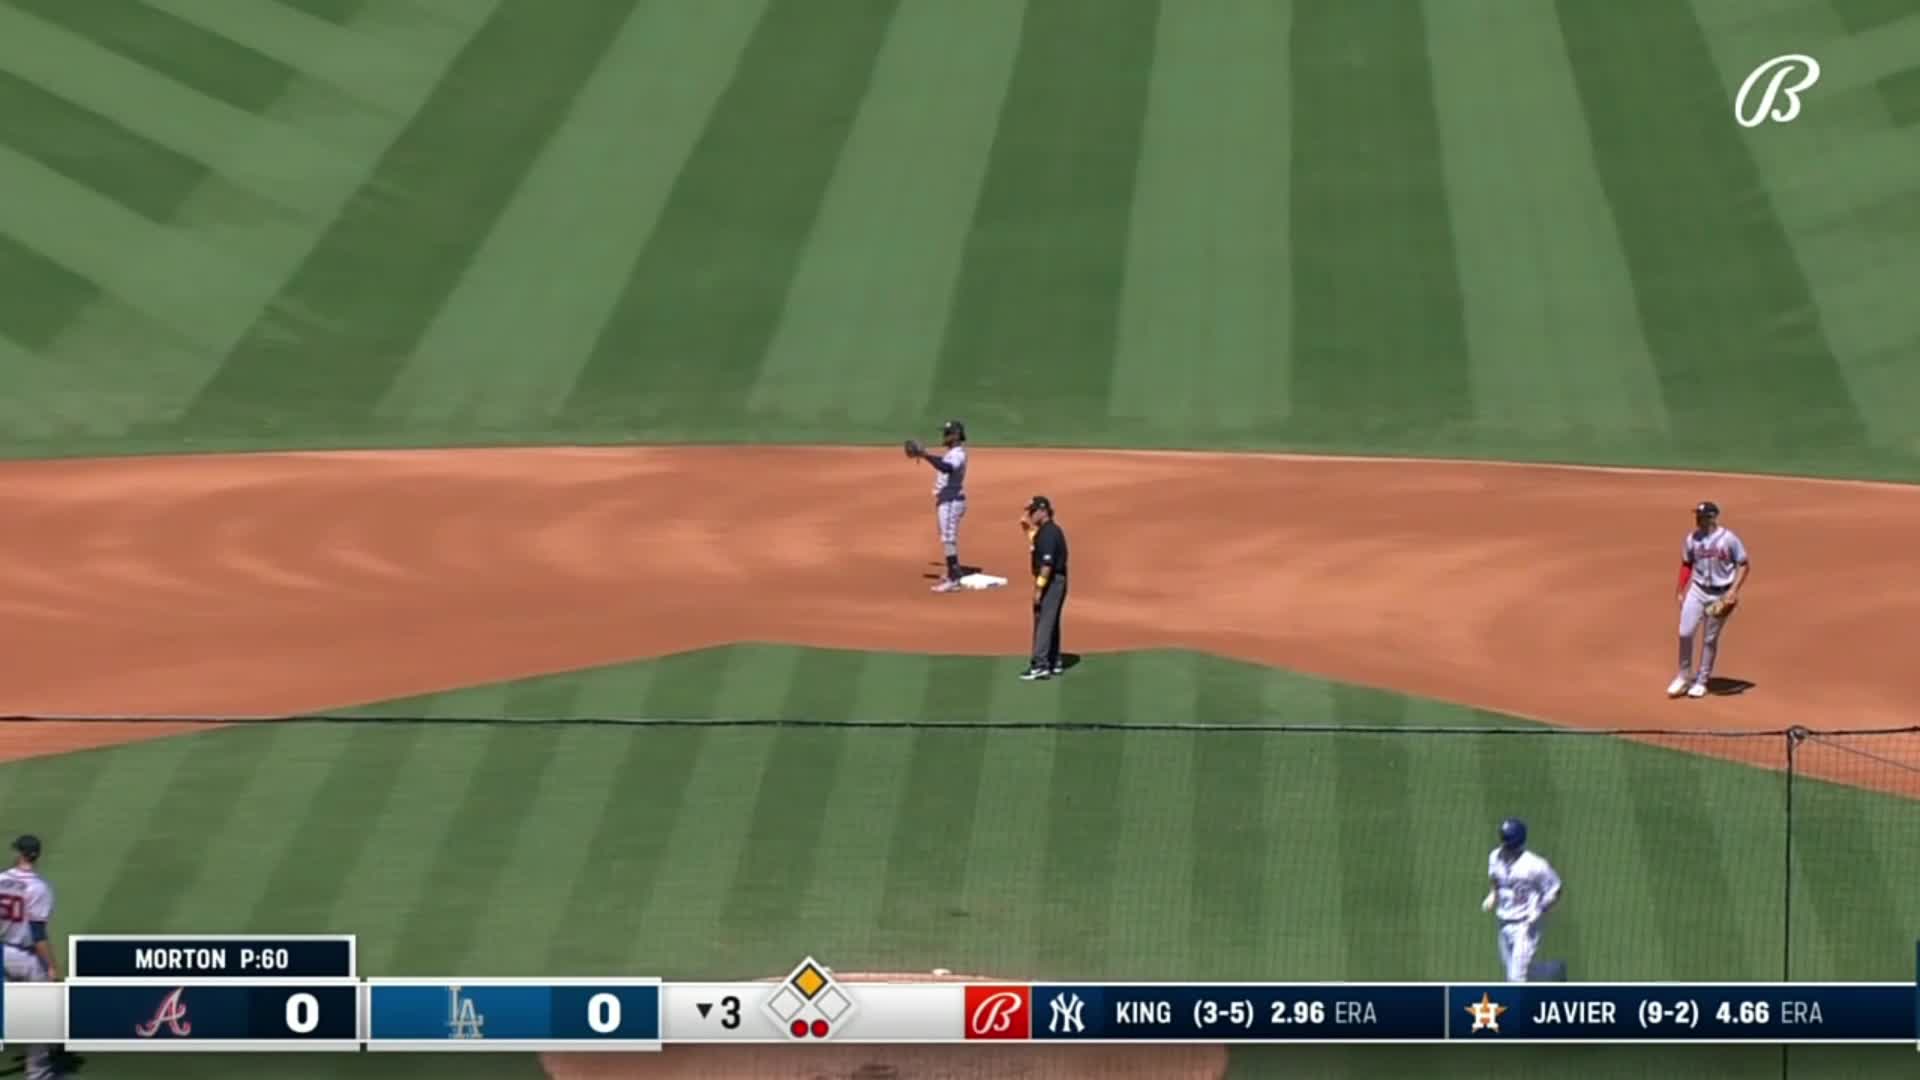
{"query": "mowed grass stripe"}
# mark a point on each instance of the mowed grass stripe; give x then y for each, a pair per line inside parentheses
(151, 881)
(205, 62)
(464, 868)
(180, 296)
(845, 891)
(861, 329)
(334, 11)
(1847, 192)
(41, 295)
(701, 302)
(1848, 919)
(1742, 355)
(627, 843)
(787, 827)
(114, 793)
(266, 812)
(1378, 344)
(1377, 833)
(1030, 339)
(1690, 871)
(91, 151)
(939, 801)
(1553, 333)
(368, 63)
(1860, 16)
(110, 349)
(504, 350)
(1306, 926)
(1205, 318)
(298, 892)
(708, 842)
(1073, 928)
(1231, 831)
(345, 322)
(546, 851)
(419, 816)
(190, 132)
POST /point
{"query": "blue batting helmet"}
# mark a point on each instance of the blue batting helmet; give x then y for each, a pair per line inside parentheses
(1513, 833)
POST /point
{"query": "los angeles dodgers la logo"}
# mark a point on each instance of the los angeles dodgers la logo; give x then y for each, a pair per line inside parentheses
(1781, 68)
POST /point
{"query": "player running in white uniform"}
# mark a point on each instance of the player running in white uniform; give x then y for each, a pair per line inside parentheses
(1713, 567)
(949, 496)
(26, 905)
(1524, 888)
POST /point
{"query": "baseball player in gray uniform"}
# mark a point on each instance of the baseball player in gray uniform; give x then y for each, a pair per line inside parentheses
(949, 494)
(1713, 568)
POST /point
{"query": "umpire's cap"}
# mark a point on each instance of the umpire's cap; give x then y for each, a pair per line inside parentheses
(28, 845)
(1039, 502)
(1707, 508)
(1513, 834)
(954, 428)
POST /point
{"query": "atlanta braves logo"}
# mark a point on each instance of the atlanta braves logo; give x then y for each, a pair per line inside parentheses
(172, 1013)
(1782, 68)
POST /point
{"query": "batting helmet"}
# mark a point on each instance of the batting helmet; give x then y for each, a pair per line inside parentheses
(1707, 509)
(28, 845)
(955, 428)
(1513, 834)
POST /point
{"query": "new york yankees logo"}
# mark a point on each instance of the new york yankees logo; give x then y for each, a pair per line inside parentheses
(1782, 68)
(172, 1013)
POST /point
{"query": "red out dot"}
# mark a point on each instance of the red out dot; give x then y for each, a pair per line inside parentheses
(799, 1029)
(819, 1029)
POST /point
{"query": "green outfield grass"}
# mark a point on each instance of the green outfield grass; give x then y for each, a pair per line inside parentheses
(1470, 227)
(1133, 852)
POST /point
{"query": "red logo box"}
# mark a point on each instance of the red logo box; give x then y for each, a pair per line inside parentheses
(999, 1012)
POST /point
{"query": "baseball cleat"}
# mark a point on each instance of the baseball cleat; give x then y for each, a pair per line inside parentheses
(1678, 686)
(1038, 674)
(949, 585)
(1059, 669)
(1698, 689)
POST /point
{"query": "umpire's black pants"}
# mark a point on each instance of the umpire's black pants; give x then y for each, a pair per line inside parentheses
(1046, 624)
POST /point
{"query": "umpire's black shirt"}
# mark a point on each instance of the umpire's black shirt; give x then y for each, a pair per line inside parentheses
(1049, 550)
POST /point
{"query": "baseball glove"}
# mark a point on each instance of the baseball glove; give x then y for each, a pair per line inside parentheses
(1719, 608)
(913, 448)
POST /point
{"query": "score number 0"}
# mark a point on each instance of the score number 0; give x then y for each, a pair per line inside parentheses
(303, 1013)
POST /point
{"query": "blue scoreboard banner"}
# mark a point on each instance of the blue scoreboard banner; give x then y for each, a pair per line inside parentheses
(513, 1014)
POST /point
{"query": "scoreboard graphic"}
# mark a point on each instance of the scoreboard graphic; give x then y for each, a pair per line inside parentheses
(304, 993)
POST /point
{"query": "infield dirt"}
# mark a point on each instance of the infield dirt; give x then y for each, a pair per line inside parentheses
(272, 584)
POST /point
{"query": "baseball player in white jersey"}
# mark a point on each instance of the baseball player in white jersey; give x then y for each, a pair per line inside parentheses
(26, 905)
(1524, 888)
(1713, 567)
(949, 495)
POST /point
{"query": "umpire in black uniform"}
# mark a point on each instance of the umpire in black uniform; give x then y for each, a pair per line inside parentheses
(1048, 545)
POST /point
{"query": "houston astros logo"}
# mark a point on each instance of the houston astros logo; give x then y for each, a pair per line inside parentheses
(995, 1014)
(1781, 68)
(172, 1013)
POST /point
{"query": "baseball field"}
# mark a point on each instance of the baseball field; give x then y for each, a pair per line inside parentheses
(453, 494)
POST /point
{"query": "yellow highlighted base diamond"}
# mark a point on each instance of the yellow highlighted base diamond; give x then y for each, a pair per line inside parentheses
(809, 981)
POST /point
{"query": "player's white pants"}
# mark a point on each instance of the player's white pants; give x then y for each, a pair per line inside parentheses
(1518, 940)
(23, 966)
(1693, 615)
(950, 514)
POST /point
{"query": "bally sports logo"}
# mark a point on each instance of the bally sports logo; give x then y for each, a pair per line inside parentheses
(999, 1012)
